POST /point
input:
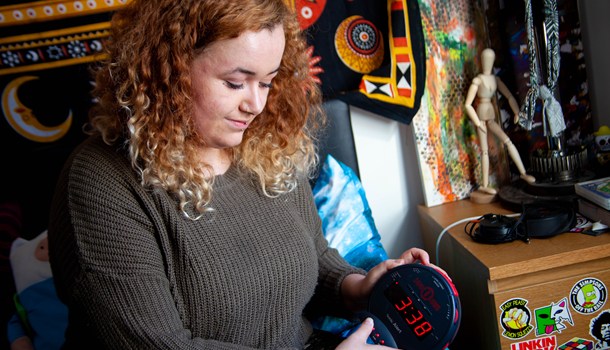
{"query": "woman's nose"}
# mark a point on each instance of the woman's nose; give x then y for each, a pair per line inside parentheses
(254, 102)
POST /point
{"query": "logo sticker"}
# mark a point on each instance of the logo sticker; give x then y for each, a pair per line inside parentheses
(576, 343)
(544, 343)
(588, 295)
(515, 318)
(600, 330)
(550, 318)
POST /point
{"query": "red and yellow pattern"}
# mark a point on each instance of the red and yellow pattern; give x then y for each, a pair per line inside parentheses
(359, 44)
(399, 87)
(49, 10)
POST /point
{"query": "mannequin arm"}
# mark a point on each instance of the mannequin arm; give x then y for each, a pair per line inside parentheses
(514, 106)
(472, 93)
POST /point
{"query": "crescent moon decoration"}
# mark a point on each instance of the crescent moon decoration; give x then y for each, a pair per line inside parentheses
(359, 44)
(23, 121)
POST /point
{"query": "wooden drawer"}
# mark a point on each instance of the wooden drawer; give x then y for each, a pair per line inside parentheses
(552, 312)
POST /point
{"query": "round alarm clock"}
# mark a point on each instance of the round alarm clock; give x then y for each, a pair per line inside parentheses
(418, 306)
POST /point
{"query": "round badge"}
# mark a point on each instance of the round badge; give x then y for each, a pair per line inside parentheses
(588, 295)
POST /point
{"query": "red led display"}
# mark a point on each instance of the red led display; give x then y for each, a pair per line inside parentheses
(411, 315)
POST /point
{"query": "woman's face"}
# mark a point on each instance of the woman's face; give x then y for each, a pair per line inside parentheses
(231, 81)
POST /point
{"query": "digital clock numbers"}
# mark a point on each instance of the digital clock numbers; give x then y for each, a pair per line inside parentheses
(408, 310)
(418, 305)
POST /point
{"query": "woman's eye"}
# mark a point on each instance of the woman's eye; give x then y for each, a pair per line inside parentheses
(234, 86)
(266, 85)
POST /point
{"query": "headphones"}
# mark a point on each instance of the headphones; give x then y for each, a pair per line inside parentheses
(539, 219)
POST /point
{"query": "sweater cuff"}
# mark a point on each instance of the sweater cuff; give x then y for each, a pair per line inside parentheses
(335, 279)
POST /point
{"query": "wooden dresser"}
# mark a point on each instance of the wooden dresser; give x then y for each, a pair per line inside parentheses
(537, 295)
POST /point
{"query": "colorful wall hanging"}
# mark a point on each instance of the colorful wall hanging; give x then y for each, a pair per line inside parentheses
(447, 143)
(369, 54)
(45, 49)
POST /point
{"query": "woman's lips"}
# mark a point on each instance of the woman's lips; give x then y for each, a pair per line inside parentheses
(240, 124)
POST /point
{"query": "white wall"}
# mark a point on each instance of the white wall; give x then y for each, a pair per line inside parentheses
(389, 171)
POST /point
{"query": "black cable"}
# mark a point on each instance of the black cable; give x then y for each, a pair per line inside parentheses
(494, 229)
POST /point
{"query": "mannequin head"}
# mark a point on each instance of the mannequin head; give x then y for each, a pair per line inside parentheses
(488, 56)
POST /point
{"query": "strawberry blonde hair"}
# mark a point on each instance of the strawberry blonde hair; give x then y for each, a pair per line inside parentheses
(144, 95)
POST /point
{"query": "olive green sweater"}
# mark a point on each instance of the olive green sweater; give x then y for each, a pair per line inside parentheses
(136, 274)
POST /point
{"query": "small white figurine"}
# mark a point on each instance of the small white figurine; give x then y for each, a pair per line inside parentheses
(484, 86)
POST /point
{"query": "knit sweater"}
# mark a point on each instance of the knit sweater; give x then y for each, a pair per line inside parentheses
(135, 273)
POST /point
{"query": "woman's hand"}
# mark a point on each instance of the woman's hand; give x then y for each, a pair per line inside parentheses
(358, 339)
(357, 288)
(414, 255)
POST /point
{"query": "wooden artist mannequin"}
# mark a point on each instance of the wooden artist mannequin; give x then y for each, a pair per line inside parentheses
(484, 86)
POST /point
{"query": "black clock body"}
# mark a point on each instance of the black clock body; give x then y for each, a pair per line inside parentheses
(418, 305)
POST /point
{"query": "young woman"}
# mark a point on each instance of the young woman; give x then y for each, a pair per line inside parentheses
(186, 221)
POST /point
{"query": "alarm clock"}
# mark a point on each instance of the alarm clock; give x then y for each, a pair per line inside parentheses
(418, 307)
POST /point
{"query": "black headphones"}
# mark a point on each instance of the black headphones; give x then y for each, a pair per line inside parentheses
(538, 219)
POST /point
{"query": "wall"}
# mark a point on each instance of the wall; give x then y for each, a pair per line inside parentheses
(389, 171)
(595, 28)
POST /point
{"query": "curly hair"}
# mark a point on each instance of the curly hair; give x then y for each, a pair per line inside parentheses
(144, 94)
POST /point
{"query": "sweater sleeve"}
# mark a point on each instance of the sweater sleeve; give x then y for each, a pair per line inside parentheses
(332, 267)
(107, 263)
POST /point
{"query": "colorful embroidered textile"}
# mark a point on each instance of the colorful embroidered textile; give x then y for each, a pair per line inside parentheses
(45, 49)
(369, 54)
